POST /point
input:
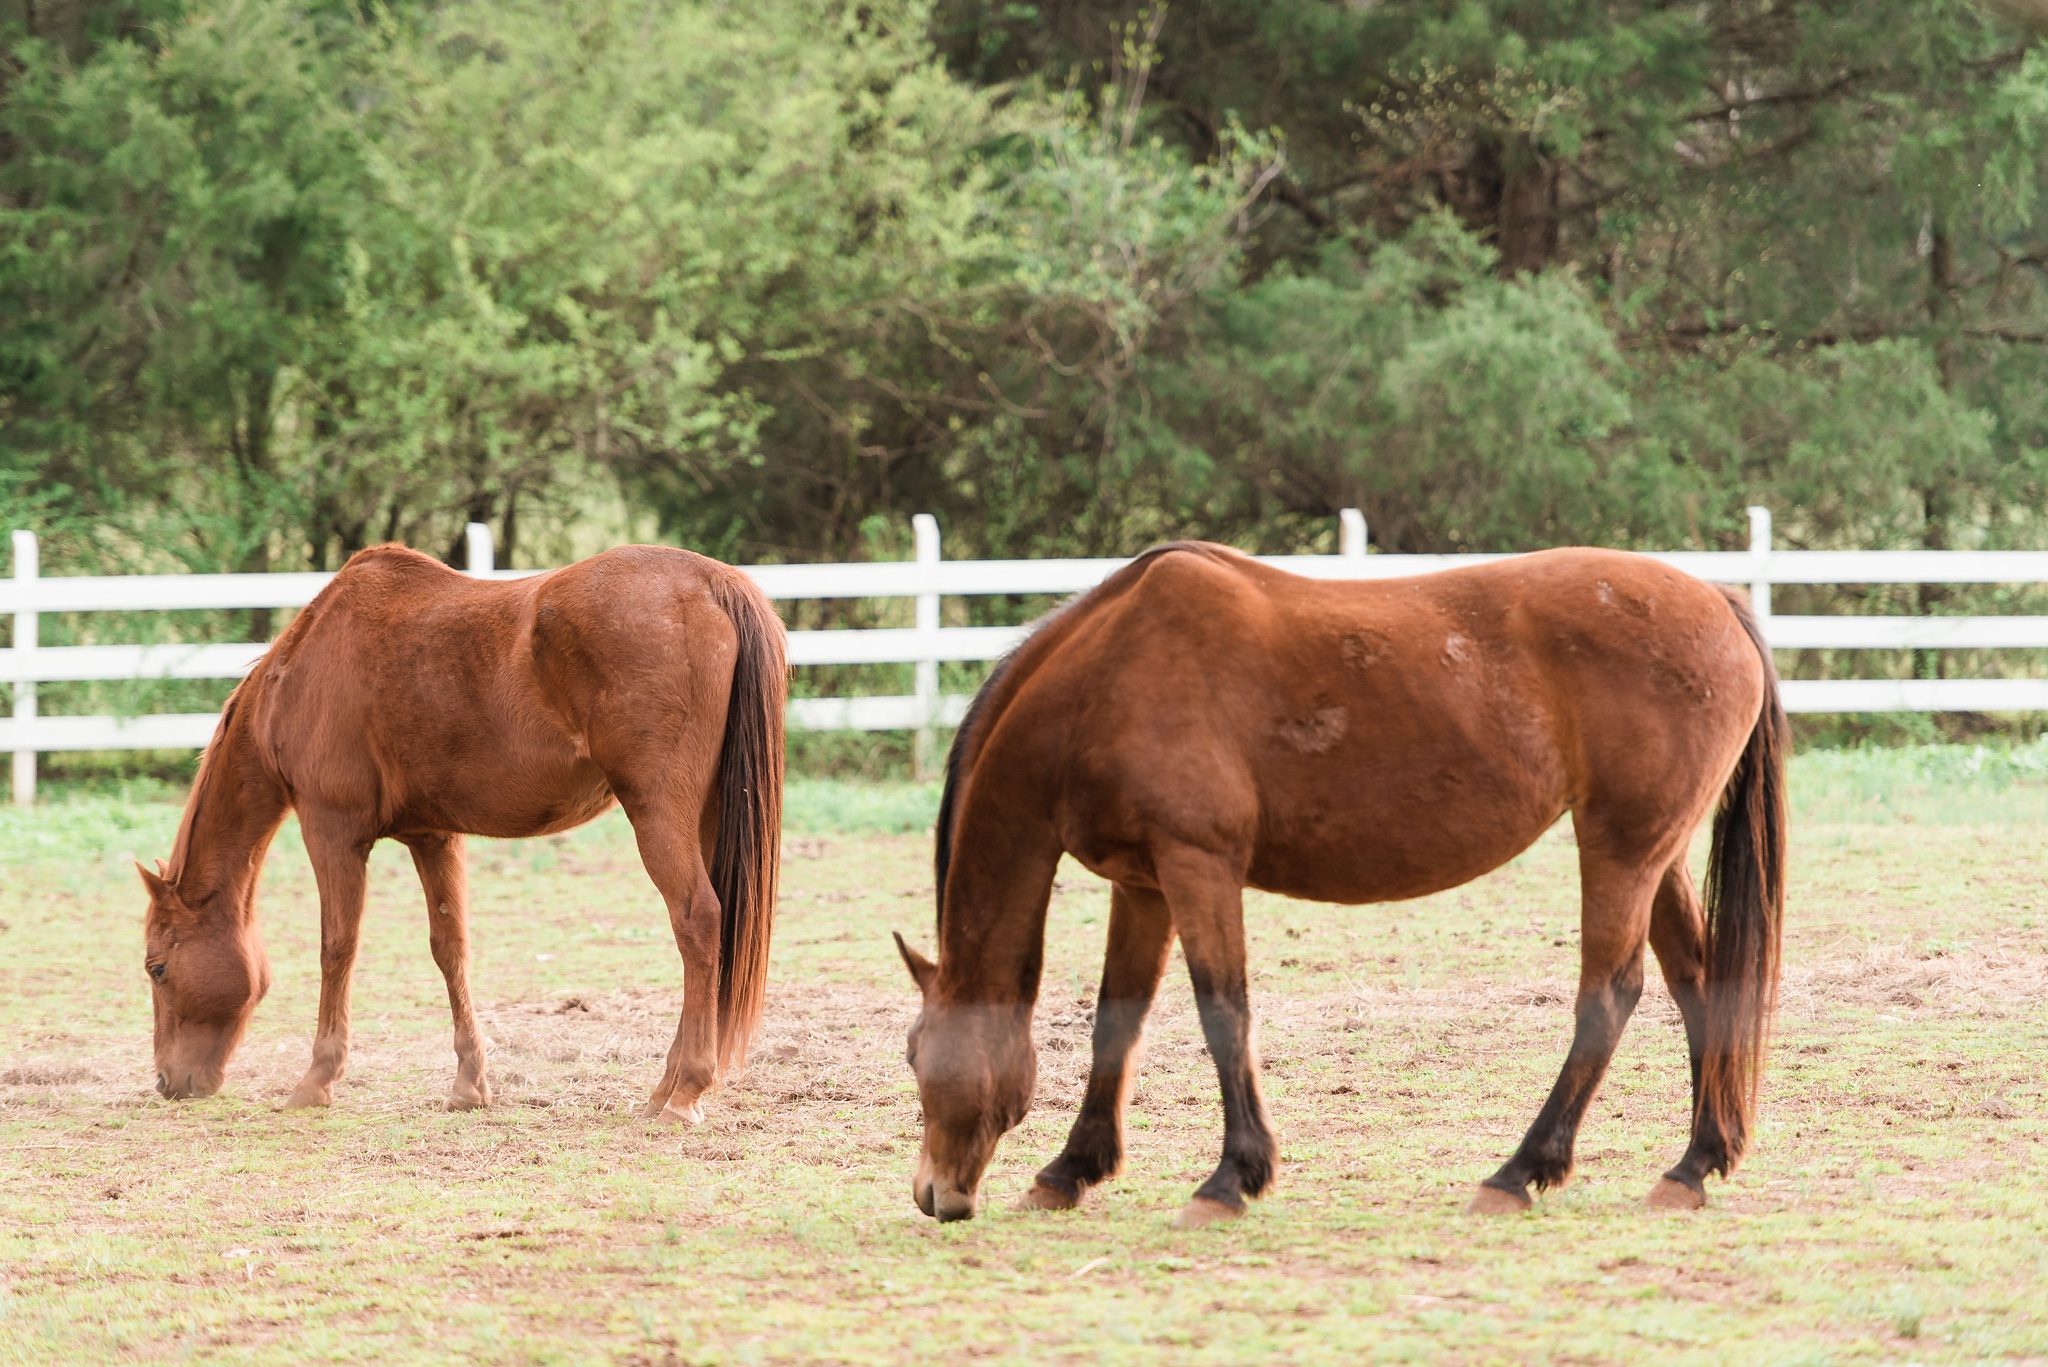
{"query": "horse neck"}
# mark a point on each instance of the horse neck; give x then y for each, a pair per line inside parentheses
(992, 940)
(235, 808)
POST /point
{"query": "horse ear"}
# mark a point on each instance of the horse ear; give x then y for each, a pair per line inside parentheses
(163, 869)
(157, 884)
(922, 970)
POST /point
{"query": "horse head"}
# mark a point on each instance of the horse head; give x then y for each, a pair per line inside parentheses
(207, 971)
(976, 1071)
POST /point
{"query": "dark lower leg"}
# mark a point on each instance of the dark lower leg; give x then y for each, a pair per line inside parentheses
(1678, 934)
(1545, 1155)
(1249, 1148)
(1140, 936)
(1206, 896)
(442, 866)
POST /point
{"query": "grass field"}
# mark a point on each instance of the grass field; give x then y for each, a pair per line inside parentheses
(1895, 1209)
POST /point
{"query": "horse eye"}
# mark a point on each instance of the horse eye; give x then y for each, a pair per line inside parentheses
(156, 971)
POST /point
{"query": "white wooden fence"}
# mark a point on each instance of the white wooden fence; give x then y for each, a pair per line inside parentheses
(927, 579)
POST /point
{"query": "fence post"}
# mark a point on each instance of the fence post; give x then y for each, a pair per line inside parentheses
(27, 565)
(477, 539)
(1760, 546)
(1351, 533)
(924, 529)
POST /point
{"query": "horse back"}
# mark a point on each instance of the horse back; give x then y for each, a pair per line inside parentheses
(412, 690)
(1369, 740)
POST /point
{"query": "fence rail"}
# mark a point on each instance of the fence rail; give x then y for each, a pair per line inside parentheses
(927, 579)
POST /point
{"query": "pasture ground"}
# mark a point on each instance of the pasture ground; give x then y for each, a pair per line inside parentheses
(1895, 1209)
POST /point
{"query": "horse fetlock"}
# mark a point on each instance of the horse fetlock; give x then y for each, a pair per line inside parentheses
(1254, 1169)
(1088, 1160)
(1233, 1184)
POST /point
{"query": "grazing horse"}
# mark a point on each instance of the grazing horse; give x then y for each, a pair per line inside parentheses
(1201, 723)
(417, 703)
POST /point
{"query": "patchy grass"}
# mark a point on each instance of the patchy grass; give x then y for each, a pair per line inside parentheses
(1894, 1211)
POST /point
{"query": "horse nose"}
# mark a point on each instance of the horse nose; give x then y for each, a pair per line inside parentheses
(923, 1193)
(163, 1086)
(951, 1205)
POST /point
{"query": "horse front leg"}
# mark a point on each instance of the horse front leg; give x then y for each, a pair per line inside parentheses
(1140, 938)
(340, 861)
(443, 866)
(1206, 896)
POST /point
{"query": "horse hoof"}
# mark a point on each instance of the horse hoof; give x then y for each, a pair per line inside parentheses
(1494, 1201)
(672, 1114)
(305, 1098)
(1670, 1195)
(1043, 1197)
(468, 1099)
(1203, 1212)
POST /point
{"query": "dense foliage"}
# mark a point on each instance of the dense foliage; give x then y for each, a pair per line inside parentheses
(281, 280)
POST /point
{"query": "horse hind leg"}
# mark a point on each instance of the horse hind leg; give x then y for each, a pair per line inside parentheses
(1678, 933)
(443, 869)
(1614, 923)
(1140, 938)
(672, 849)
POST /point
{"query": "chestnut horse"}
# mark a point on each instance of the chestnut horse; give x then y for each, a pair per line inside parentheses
(417, 703)
(1201, 723)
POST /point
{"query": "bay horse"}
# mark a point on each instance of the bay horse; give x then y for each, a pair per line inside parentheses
(412, 702)
(1200, 723)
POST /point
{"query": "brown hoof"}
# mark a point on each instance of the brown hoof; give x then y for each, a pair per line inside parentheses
(306, 1098)
(1043, 1197)
(466, 1098)
(1494, 1201)
(674, 1115)
(1202, 1212)
(1670, 1195)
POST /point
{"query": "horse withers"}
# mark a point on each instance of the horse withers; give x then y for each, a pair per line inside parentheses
(412, 702)
(1201, 723)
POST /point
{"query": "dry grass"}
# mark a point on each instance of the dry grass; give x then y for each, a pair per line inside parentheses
(1894, 1210)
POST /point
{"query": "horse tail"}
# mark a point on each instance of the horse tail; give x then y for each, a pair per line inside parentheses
(1745, 906)
(747, 855)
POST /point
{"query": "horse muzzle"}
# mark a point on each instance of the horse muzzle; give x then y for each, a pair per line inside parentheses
(193, 1086)
(944, 1203)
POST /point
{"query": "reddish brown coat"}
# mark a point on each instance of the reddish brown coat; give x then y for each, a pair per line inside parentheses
(1202, 723)
(414, 703)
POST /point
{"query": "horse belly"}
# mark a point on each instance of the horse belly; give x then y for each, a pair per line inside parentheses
(502, 786)
(1430, 782)
(1379, 856)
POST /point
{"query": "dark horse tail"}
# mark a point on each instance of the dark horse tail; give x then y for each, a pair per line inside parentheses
(747, 856)
(1745, 906)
